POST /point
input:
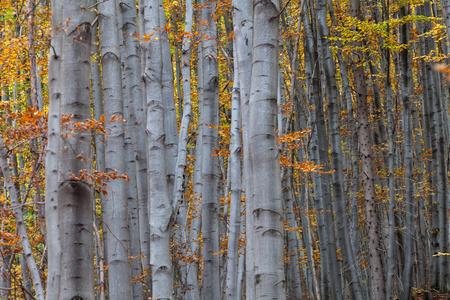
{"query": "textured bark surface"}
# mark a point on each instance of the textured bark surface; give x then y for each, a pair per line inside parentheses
(116, 209)
(243, 32)
(51, 158)
(377, 284)
(133, 208)
(210, 164)
(75, 196)
(133, 72)
(263, 148)
(236, 187)
(160, 207)
(168, 94)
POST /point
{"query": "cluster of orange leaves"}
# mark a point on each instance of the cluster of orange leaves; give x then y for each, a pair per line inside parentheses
(99, 178)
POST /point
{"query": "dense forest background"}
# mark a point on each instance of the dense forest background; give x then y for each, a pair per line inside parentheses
(222, 149)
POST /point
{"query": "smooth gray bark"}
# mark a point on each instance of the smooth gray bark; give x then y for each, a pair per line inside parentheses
(170, 114)
(243, 39)
(186, 117)
(75, 196)
(235, 200)
(160, 207)
(320, 154)
(116, 208)
(51, 159)
(266, 187)
(133, 72)
(210, 164)
(133, 207)
(431, 92)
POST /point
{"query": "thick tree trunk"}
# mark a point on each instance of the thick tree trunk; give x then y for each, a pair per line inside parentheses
(210, 165)
(263, 148)
(75, 196)
(170, 113)
(133, 72)
(160, 207)
(116, 209)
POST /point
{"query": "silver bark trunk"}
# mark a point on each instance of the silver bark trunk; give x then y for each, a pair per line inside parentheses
(75, 196)
(210, 170)
(51, 159)
(235, 200)
(243, 33)
(160, 207)
(264, 157)
(116, 209)
(133, 72)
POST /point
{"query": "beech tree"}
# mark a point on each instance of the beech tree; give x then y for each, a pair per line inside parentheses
(116, 209)
(160, 207)
(51, 163)
(210, 167)
(266, 187)
(74, 195)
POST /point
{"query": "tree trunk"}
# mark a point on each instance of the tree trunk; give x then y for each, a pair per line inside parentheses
(75, 196)
(160, 207)
(116, 209)
(133, 72)
(235, 200)
(243, 26)
(210, 170)
(378, 290)
(133, 207)
(170, 114)
(408, 162)
(263, 148)
(51, 159)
